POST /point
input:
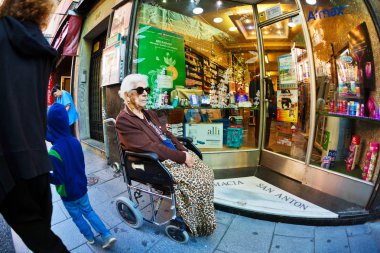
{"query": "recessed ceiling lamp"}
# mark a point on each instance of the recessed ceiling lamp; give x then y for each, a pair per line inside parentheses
(247, 21)
(218, 20)
(232, 29)
(218, 3)
(291, 23)
(311, 2)
(197, 10)
(250, 27)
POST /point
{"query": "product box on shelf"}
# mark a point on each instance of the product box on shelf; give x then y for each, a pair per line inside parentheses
(370, 162)
(352, 157)
(205, 135)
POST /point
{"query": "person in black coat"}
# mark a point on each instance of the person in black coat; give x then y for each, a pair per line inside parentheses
(25, 64)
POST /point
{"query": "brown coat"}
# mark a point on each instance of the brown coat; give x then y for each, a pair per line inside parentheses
(136, 135)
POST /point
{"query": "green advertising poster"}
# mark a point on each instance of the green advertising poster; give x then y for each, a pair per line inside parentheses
(161, 56)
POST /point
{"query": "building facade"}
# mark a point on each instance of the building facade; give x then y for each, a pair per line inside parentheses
(289, 87)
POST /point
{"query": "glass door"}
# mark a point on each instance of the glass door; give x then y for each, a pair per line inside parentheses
(286, 89)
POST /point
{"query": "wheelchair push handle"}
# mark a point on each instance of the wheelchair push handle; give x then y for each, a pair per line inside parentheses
(110, 120)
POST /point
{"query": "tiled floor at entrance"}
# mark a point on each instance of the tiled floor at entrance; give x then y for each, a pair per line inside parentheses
(316, 197)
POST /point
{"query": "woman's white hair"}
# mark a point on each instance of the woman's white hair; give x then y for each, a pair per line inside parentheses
(130, 82)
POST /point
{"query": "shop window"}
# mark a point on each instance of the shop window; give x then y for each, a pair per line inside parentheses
(346, 52)
(287, 89)
(201, 61)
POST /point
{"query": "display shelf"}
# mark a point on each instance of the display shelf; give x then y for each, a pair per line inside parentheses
(208, 71)
(349, 97)
(207, 107)
(340, 167)
(193, 78)
(335, 114)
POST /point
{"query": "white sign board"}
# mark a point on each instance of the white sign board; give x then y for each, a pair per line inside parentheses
(206, 135)
(111, 65)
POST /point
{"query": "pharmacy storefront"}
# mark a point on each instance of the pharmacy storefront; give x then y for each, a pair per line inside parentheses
(280, 96)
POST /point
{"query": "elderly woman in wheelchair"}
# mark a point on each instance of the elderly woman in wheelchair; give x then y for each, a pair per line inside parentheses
(139, 130)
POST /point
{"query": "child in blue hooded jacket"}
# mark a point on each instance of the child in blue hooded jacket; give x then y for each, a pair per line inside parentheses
(69, 175)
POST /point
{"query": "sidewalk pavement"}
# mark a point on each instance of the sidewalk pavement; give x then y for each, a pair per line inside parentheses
(234, 233)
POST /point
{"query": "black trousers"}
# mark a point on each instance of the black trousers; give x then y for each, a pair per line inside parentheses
(28, 209)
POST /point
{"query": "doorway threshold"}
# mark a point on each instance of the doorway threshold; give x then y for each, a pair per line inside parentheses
(262, 193)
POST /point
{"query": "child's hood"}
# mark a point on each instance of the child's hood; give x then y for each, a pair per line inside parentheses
(57, 123)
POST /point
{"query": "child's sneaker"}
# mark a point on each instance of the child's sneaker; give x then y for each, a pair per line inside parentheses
(90, 240)
(109, 242)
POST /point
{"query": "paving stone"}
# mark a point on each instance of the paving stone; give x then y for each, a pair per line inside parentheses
(375, 228)
(69, 234)
(285, 244)
(195, 244)
(363, 243)
(331, 240)
(113, 187)
(224, 218)
(63, 209)
(294, 230)
(6, 237)
(131, 240)
(332, 231)
(58, 215)
(104, 175)
(108, 214)
(97, 196)
(54, 195)
(82, 249)
(358, 229)
(257, 236)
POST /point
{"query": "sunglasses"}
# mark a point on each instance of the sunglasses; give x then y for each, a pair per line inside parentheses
(140, 90)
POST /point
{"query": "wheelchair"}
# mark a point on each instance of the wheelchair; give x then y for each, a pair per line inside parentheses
(147, 170)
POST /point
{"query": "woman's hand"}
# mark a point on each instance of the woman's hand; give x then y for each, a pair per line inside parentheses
(189, 160)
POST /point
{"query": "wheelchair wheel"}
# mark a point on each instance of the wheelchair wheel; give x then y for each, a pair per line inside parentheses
(176, 234)
(130, 214)
(116, 167)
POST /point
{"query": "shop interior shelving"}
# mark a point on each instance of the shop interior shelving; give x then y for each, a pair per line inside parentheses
(361, 118)
(339, 166)
(201, 70)
(209, 108)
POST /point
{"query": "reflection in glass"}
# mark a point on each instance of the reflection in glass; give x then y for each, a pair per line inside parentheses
(287, 89)
(343, 52)
(207, 64)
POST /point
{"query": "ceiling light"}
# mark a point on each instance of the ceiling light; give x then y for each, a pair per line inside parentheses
(243, 11)
(197, 10)
(291, 23)
(232, 29)
(266, 58)
(311, 2)
(247, 21)
(218, 20)
(218, 3)
(250, 27)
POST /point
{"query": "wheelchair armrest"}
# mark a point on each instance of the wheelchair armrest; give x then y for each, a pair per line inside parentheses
(188, 143)
(185, 139)
(146, 155)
